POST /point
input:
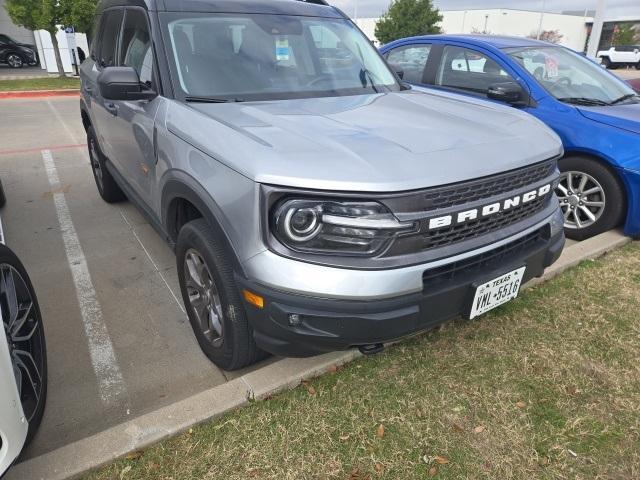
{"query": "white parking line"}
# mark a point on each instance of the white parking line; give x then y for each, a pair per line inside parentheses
(155, 266)
(103, 358)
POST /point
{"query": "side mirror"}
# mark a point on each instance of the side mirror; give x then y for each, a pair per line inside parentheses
(398, 69)
(123, 83)
(509, 92)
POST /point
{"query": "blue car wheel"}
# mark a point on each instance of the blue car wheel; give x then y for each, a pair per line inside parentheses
(591, 197)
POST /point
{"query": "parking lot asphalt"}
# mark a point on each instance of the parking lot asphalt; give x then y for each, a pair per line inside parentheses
(119, 344)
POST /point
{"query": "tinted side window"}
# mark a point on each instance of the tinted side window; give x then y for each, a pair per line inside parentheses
(94, 36)
(411, 59)
(109, 34)
(136, 48)
(469, 70)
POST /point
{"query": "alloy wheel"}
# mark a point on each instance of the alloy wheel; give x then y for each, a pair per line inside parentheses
(582, 199)
(14, 61)
(95, 162)
(23, 329)
(204, 297)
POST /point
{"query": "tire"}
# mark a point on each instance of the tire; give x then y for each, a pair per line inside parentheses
(3, 197)
(224, 335)
(601, 194)
(14, 60)
(637, 65)
(28, 337)
(107, 186)
(606, 63)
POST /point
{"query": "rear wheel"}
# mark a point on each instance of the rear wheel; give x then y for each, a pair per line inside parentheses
(25, 335)
(107, 186)
(591, 197)
(212, 299)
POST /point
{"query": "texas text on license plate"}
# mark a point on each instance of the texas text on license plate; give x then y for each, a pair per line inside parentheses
(495, 292)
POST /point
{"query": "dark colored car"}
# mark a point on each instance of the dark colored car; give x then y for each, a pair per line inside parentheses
(16, 54)
(635, 84)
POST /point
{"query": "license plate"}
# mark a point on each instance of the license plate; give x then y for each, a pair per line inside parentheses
(495, 292)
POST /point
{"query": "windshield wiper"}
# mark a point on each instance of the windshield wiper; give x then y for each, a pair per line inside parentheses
(584, 101)
(623, 98)
(212, 100)
(366, 75)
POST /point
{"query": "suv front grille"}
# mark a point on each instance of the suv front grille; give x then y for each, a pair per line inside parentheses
(482, 226)
(467, 192)
(482, 262)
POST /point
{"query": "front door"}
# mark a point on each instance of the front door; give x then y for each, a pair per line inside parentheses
(132, 139)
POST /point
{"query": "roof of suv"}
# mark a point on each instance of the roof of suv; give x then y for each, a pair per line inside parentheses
(291, 7)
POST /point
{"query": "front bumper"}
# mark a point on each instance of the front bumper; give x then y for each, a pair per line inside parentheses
(328, 324)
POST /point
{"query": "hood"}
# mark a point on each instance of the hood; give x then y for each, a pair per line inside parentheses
(383, 142)
(626, 117)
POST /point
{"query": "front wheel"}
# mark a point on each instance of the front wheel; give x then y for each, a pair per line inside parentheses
(212, 299)
(591, 197)
(14, 60)
(25, 336)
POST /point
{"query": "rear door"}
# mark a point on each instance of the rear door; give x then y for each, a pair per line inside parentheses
(106, 55)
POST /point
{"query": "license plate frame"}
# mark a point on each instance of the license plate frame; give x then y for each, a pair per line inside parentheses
(495, 292)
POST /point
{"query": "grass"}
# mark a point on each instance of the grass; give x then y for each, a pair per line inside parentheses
(545, 387)
(46, 83)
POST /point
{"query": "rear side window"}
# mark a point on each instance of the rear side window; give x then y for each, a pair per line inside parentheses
(411, 59)
(136, 48)
(109, 34)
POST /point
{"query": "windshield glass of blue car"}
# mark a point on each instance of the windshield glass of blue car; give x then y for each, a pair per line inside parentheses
(240, 57)
(572, 78)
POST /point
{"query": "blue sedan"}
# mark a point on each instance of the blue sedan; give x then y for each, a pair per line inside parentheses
(596, 115)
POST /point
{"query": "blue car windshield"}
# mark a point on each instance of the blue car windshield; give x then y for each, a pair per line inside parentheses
(236, 57)
(570, 77)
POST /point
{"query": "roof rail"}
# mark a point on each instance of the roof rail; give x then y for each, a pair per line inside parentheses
(316, 2)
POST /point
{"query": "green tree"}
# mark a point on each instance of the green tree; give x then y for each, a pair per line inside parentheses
(624, 34)
(406, 18)
(52, 15)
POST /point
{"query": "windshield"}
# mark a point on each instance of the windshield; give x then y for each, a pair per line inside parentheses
(237, 57)
(571, 77)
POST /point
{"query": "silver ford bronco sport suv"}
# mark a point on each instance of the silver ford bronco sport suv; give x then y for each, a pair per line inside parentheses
(314, 202)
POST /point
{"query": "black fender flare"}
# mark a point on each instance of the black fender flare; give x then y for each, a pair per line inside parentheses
(175, 189)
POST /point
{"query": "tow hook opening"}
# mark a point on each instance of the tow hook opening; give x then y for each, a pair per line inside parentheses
(371, 349)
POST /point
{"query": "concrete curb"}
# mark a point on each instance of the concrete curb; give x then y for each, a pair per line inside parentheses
(79, 457)
(71, 92)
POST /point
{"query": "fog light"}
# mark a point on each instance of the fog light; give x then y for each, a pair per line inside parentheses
(295, 319)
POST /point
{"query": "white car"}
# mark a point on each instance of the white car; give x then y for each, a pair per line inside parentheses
(620, 56)
(23, 361)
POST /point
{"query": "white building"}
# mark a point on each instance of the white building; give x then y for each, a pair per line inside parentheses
(505, 21)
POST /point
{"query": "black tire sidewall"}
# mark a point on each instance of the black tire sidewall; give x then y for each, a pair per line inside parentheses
(110, 191)
(7, 256)
(238, 348)
(3, 197)
(615, 198)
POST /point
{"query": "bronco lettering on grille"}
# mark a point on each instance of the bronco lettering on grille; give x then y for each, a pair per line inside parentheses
(491, 209)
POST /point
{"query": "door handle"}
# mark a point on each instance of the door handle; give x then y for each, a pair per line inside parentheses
(112, 108)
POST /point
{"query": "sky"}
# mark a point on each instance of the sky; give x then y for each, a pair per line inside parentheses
(615, 8)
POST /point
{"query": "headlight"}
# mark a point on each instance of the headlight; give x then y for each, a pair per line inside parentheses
(335, 227)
